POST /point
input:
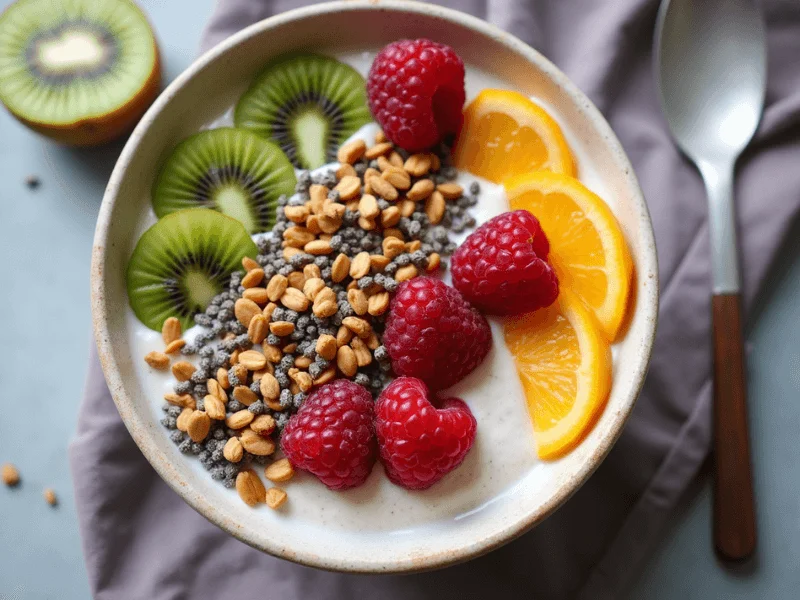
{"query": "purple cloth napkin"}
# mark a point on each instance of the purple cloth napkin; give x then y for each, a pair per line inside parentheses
(140, 539)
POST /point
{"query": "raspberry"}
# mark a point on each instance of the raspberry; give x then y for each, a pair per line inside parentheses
(432, 333)
(420, 444)
(332, 435)
(502, 267)
(416, 93)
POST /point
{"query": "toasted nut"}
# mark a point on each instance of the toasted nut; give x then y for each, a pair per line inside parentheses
(377, 150)
(318, 194)
(268, 310)
(326, 347)
(312, 224)
(241, 372)
(450, 190)
(276, 286)
(378, 262)
(257, 295)
(222, 378)
(380, 137)
(279, 471)
(390, 216)
(392, 247)
(326, 376)
(296, 214)
(281, 328)
(303, 380)
(273, 353)
(360, 265)
(182, 422)
(175, 346)
(289, 252)
(296, 280)
(367, 224)
(184, 400)
(250, 488)
(378, 304)
(263, 425)
(318, 248)
(275, 497)
(358, 326)
(420, 190)
(384, 189)
(383, 163)
(293, 299)
(368, 207)
(268, 370)
(418, 164)
(434, 207)
(340, 268)
(330, 225)
(157, 360)
(249, 264)
(311, 271)
(258, 329)
(397, 177)
(346, 361)
(245, 310)
(372, 341)
(215, 389)
(214, 408)
(294, 388)
(343, 336)
(252, 360)
(50, 496)
(358, 300)
(370, 173)
(352, 151)
(348, 187)
(233, 450)
(363, 355)
(171, 330)
(413, 246)
(312, 287)
(290, 348)
(323, 299)
(253, 278)
(270, 388)
(406, 273)
(244, 394)
(257, 444)
(407, 208)
(235, 357)
(302, 362)
(9, 474)
(345, 171)
(198, 425)
(297, 236)
(436, 162)
(434, 260)
(240, 419)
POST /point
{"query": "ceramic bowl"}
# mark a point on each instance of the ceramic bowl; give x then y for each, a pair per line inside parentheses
(203, 92)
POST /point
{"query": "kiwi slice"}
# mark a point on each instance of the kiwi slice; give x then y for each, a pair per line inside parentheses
(307, 104)
(230, 170)
(80, 71)
(182, 262)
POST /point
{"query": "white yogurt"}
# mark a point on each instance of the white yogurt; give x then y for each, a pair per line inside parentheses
(504, 452)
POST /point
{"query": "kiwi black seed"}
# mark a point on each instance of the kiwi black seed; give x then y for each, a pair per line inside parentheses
(182, 262)
(307, 104)
(234, 171)
(79, 71)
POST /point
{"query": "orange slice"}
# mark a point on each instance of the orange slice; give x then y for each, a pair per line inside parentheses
(506, 134)
(587, 248)
(564, 363)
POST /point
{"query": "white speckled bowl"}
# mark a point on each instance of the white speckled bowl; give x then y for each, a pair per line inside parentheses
(203, 92)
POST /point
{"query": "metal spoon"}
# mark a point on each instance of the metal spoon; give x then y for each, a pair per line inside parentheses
(710, 64)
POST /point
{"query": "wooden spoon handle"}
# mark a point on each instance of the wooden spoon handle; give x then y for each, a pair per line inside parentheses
(734, 515)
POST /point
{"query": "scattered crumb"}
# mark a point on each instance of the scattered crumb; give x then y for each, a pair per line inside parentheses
(32, 181)
(50, 496)
(10, 475)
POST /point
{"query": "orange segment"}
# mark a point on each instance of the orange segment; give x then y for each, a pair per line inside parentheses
(506, 134)
(564, 364)
(587, 248)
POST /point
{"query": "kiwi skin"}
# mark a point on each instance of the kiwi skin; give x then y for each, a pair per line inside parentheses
(110, 126)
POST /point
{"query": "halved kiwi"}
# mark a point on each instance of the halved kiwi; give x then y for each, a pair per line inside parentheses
(230, 170)
(79, 71)
(307, 104)
(182, 262)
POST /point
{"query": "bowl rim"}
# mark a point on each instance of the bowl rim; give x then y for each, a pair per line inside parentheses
(137, 427)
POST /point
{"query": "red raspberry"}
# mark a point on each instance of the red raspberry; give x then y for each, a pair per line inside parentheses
(416, 93)
(420, 444)
(434, 334)
(332, 435)
(502, 266)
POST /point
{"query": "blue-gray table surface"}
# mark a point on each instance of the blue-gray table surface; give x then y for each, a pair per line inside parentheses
(45, 240)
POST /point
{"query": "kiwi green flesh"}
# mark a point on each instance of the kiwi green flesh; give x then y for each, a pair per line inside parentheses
(307, 104)
(180, 263)
(65, 61)
(234, 171)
